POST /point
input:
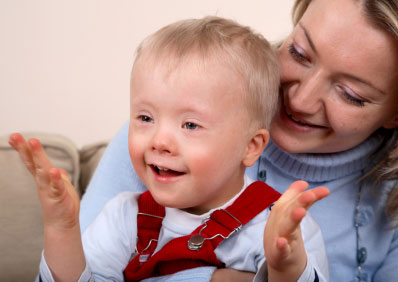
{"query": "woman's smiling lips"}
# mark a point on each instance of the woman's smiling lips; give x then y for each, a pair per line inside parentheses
(297, 124)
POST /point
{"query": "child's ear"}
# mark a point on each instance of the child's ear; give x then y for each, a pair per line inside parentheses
(255, 147)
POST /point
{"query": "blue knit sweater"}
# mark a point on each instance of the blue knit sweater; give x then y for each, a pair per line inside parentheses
(358, 240)
(359, 243)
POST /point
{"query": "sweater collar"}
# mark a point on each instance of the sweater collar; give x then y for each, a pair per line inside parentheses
(325, 167)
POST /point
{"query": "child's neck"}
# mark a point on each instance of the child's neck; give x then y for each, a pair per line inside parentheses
(234, 191)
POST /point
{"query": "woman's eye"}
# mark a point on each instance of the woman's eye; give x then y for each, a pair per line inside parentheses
(350, 98)
(191, 126)
(296, 54)
(353, 100)
(145, 118)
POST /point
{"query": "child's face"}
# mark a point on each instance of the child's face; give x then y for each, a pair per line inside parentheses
(188, 133)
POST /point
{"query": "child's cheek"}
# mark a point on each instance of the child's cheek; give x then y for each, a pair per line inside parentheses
(136, 151)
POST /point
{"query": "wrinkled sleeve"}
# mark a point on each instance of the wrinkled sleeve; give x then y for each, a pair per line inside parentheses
(114, 174)
(46, 276)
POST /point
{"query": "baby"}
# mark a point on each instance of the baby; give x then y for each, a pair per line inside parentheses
(203, 93)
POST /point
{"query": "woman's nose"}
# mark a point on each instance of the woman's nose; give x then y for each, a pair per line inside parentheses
(307, 94)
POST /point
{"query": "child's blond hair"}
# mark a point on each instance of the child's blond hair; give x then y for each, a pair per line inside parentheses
(245, 51)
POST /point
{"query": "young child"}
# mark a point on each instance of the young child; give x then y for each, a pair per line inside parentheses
(203, 93)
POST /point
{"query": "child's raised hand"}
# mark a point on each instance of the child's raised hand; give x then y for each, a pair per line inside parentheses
(58, 198)
(283, 242)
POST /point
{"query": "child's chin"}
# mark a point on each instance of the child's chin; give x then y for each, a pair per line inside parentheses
(167, 201)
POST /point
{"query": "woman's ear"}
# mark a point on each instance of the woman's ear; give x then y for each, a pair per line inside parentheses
(393, 123)
(255, 147)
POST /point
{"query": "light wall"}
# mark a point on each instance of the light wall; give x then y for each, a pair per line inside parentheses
(65, 65)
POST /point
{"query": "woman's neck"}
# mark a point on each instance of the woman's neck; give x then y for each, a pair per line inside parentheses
(326, 167)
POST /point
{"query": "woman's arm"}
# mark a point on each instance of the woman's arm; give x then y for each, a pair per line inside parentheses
(114, 174)
(389, 269)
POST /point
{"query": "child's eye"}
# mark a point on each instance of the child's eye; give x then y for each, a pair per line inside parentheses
(145, 118)
(190, 126)
(296, 54)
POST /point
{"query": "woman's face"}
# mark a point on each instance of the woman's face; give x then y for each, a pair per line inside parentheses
(339, 80)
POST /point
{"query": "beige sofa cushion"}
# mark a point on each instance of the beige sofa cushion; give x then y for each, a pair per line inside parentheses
(90, 155)
(21, 235)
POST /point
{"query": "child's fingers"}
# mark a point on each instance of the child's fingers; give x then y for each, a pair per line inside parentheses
(41, 161)
(57, 182)
(282, 245)
(293, 191)
(321, 192)
(297, 215)
(68, 184)
(65, 175)
(295, 204)
(303, 203)
(291, 222)
(17, 141)
(308, 198)
(300, 207)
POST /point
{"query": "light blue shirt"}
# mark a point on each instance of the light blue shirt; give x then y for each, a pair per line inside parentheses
(352, 218)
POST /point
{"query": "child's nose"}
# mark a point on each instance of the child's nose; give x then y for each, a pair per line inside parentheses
(164, 142)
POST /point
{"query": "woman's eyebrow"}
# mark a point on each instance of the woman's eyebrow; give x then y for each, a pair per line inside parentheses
(311, 43)
(307, 35)
(363, 81)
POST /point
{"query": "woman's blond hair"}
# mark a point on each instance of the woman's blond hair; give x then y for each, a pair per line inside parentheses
(244, 51)
(384, 14)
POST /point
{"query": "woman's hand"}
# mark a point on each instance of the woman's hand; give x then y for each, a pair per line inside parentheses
(58, 198)
(283, 242)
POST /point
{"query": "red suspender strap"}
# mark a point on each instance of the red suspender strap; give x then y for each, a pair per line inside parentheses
(256, 198)
(197, 249)
(149, 221)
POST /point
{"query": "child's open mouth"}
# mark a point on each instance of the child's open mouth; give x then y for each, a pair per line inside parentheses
(165, 172)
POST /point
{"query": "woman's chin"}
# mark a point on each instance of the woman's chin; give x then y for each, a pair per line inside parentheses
(285, 141)
(291, 143)
(294, 141)
(290, 146)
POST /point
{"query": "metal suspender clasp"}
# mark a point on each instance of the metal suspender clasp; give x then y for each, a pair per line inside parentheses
(144, 257)
(196, 241)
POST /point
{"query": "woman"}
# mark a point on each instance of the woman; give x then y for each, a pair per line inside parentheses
(337, 127)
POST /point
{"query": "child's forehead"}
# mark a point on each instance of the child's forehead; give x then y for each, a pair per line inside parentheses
(195, 64)
(210, 70)
(209, 74)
